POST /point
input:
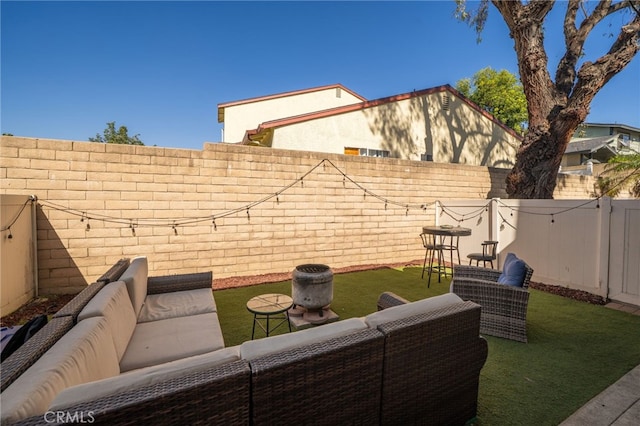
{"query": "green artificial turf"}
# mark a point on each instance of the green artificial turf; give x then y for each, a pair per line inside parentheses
(575, 349)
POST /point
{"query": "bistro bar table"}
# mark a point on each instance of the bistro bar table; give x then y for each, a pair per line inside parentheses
(438, 236)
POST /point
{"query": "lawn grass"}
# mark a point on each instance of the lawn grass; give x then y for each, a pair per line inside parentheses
(575, 349)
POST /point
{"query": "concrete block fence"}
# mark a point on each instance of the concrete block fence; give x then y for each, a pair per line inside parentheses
(234, 210)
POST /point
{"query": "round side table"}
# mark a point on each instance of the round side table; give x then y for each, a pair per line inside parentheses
(269, 307)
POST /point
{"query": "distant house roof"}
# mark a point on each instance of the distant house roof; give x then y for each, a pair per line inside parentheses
(616, 125)
(224, 105)
(260, 133)
(591, 144)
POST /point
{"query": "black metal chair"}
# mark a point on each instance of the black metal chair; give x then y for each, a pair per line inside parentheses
(488, 255)
(433, 248)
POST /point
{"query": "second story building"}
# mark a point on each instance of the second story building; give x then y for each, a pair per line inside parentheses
(437, 124)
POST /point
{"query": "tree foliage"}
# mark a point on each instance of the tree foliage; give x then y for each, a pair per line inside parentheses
(557, 105)
(621, 171)
(500, 93)
(120, 136)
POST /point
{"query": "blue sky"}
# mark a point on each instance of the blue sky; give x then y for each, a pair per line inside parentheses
(161, 68)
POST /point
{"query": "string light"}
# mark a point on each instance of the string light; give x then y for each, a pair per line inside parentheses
(32, 199)
(324, 163)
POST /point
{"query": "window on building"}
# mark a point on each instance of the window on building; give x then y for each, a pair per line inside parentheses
(625, 138)
(366, 152)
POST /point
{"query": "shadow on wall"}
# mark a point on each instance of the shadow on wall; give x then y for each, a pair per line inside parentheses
(497, 178)
(57, 271)
(562, 184)
(394, 126)
(436, 125)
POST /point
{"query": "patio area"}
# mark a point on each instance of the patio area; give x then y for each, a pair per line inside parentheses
(576, 350)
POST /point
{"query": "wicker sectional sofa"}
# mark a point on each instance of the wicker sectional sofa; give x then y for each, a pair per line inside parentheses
(408, 363)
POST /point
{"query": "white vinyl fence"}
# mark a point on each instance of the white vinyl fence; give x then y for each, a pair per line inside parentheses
(590, 245)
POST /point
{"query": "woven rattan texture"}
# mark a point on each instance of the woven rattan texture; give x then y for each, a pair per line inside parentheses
(504, 308)
(389, 299)
(216, 396)
(171, 283)
(115, 271)
(27, 354)
(309, 385)
(433, 383)
(76, 304)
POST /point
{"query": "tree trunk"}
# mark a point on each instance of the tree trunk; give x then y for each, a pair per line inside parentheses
(556, 110)
(535, 172)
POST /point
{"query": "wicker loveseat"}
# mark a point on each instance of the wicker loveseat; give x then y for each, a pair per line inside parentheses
(413, 363)
(504, 307)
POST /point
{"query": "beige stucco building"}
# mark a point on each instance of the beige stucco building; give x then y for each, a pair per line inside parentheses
(437, 124)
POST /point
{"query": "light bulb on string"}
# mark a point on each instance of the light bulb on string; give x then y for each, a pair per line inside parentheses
(215, 227)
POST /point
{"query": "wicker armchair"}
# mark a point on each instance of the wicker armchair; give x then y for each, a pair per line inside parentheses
(504, 308)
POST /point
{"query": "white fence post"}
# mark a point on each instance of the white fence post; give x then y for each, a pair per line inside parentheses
(604, 249)
(494, 226)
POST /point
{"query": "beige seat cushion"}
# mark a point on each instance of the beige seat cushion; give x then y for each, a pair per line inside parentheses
(142, 377)
(411, 309)
(257, 348)
(136, 279)
(113, 303)
(177, 304)
(167, 340)
(86, 353)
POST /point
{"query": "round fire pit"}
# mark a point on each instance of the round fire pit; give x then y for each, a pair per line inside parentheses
(312, 286)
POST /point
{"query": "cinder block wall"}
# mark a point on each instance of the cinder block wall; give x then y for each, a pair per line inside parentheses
(90, 195)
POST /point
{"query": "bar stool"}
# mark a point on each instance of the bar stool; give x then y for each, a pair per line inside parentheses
(432, 247)
(489, 254)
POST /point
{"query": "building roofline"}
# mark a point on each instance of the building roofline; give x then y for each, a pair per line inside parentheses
(618, 125)
(224, 105)
(377, 102)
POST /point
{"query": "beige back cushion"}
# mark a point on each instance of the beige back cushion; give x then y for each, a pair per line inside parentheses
(136, 279)
(113, 303)
(86, 353)
(143, 377)
(256, 348)
(177, 304)
(411, 309)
